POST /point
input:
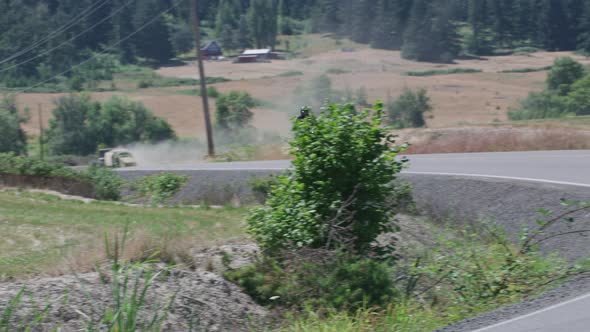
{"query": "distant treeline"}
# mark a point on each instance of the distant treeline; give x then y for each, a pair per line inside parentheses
(42, 38)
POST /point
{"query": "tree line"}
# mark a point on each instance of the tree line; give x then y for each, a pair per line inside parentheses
(43, 38)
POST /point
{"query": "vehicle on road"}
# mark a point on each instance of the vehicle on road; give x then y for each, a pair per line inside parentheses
(116, 158)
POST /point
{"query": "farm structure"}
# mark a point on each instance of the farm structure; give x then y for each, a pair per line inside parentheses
(260, 55)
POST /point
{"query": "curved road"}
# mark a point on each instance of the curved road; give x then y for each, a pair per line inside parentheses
(564, 167)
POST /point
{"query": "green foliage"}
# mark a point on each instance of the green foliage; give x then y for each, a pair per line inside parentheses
(408, 110)
(233, 110)
(337, 71)
(160, 187)
(344, 161)
(567, 93)
(340, 282)
(526, 70)
(261, 187)
(107, 184)
(435, 72)
(540, 105)
(79, 125)
(578, 99)
(12, 136)
(291, 73)
(563, 74)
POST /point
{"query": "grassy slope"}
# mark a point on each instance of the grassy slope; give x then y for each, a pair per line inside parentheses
(40, 230)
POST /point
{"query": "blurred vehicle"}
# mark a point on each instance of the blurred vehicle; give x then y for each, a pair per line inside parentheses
(116, 158)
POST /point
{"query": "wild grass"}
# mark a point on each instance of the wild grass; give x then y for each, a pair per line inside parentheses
(436, 72)
(49, 235)
(463, 274)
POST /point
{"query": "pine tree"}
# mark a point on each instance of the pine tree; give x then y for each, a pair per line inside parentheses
(384, 29)
(480, 41)
(153, 42)
(583, 42)
(553, 26)
(431, 33)
(362, 21)
(262, 22)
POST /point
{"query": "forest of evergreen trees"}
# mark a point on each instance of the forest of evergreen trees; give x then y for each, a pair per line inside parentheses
(42, 38)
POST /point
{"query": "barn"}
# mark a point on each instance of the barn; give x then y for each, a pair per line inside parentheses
(260, 55)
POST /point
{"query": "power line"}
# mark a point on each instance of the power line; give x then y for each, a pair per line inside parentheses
(154, 19)
(88, 11)
(69, 40)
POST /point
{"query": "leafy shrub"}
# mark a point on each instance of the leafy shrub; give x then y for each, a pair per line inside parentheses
(563, 74)
(337, 71)
(291, 73)
(233, 110)
(340, 282)
(408, 110)
(160, 187)
(443, 72)
(144, 84)
(540, 105)
(12, 137)
(526, 70)
(107, 184)
(578, 100)
(262, 187)
(80, 125)
(344, 161)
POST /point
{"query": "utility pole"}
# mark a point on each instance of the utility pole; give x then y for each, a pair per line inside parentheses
(202, 80)
(41, 133)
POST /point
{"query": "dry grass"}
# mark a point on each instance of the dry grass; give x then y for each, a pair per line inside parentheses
(489, 139)
(49, 235)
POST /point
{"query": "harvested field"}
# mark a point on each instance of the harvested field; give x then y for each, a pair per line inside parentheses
(467, 99)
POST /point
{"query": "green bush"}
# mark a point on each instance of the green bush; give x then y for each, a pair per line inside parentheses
(526, 70)
(408, 110)
(337, 71)
(79, 125)
(563, 74)
(107, 184)
(233, 110)
(340, 282)
(12, 136)
(443, 72)
(344, 161)
(262, 187)
(291, 73)
(540, 105)
(578, 100)
(160, 187)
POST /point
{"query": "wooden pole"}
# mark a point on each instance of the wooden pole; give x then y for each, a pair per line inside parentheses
(41, 134)
(202, 80)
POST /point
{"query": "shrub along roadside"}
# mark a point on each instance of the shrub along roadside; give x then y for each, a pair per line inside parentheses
(107, 185)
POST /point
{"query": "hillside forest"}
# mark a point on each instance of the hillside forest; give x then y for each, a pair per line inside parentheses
(42, 39)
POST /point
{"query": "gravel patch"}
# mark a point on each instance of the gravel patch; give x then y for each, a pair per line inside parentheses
(204, 300)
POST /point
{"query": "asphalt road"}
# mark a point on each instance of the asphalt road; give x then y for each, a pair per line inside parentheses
(572, 315)
(564, 167)
(568, 167)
